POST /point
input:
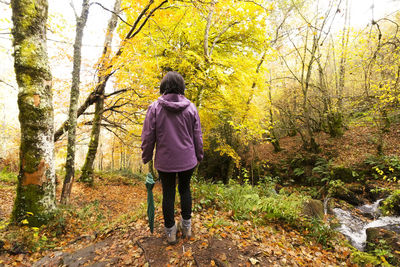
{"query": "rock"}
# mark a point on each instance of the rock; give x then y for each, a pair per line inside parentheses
(348, 196)
(371, 211)
(356, 188)
(385, 238)
(342, 173)
(313, 208)
(74, 259)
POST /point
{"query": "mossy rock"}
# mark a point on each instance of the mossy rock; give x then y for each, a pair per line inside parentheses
(384, 238)
(391, 205)
(375, 192)
(313, 208)
(348, 196)
(356, 188)
(343, 173)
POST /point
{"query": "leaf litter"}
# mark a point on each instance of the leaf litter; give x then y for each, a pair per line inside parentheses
(122, 237)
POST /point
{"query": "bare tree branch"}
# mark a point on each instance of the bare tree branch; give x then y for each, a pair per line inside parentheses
(91, 99)
(103, 7)
(74, 9)
(220, 34)
(10, 85)
(116, 92)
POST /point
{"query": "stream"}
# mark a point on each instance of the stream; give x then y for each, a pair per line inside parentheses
(354, 226)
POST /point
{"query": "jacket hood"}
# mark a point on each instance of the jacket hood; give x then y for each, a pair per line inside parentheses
(174, 102)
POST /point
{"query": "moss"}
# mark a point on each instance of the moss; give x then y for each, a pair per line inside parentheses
(365, 259)
(29, 205)
(26, 80)
(28, 53)
(30, 161)
(335, 124)
(28, 13)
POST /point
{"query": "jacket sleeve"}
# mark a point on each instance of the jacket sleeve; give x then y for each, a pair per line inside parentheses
(148, 135)
(198, 138)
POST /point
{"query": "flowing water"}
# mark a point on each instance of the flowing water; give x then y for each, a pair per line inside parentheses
(354, 227)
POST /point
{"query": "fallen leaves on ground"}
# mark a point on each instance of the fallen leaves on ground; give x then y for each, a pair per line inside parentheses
(217, 241)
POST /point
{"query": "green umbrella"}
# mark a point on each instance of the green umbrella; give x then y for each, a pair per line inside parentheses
(150, 200)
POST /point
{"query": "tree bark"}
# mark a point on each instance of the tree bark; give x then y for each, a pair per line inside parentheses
(112, 153)
(35, 200)
(310, 144)
(274, 139)
(73, 107)
(343, 57)
(87, 169)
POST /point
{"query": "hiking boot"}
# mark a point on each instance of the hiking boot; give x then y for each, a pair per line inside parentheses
(171, 235)
(186, 227)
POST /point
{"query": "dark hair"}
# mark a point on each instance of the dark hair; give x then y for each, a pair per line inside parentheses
(172, 83)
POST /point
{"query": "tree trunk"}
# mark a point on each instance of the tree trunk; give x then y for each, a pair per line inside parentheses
(73, 107)
(230, 172)
(310, 144)
(121, 160)
(112, 154)
(87, 169)
(274, 139)
(101, 158)
(35, 200)
(343, 57)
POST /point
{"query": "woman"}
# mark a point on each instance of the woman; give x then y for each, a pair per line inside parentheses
(172, 123)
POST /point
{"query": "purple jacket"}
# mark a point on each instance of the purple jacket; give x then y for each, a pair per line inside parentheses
(172, 123)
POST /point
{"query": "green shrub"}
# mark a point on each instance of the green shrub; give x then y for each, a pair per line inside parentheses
(323, 168)
(391, 205)
(320, 231)
(386, 168)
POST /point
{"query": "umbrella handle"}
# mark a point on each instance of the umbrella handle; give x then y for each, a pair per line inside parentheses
(151, 169)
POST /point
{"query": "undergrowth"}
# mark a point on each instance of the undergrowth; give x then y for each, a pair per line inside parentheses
(259, 204)
(385, 168)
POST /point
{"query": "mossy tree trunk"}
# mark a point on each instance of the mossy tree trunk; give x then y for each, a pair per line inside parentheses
(73, 106)
(87, 169)
(35, 200)
(274, 139)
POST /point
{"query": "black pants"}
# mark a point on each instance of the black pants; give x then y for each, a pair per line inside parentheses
(168, 180)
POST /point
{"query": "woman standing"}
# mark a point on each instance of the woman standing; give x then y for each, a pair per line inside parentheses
(172, 124)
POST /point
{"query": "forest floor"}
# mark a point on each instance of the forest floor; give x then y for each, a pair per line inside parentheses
(356, 144)
(107, 226)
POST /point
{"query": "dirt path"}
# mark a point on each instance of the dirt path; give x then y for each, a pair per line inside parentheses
(238, 244)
